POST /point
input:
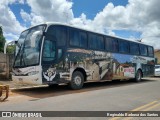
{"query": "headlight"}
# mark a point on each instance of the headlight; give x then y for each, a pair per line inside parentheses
(33, 73)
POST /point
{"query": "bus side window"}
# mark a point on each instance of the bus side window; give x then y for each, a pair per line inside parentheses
(107, 44)
(59, 33)
(74, 37)
(100, 42)
(114, 45)
(111, 44)
(83, 40)
(77, 38)
(49, 50)
(92, 41)
(96, 41)
(134, 48)
(143, 50)
(123, 46)
(150, 51)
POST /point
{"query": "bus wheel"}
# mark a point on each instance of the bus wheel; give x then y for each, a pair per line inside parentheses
(77, 80)
(138, 76)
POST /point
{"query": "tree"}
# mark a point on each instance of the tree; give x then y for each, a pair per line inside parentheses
(2, 40)
(11, 49)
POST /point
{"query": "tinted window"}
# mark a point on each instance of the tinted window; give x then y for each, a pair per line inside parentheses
(150, 51)
(100, 42)
(123, 46)
(96, 41)
(111, 44)
(143, 50)
(59, 33)
(49, 50)
(74, 37)
(134, 48)
(78, 38)
(83, 39)
(92, 41)
(108, 44)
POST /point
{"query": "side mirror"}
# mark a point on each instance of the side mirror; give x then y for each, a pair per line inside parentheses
(16, 43)
(34, 36)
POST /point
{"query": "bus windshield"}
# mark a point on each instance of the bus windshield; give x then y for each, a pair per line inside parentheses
(26, 55)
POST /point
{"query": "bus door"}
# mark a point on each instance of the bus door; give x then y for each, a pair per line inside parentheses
(49, 55)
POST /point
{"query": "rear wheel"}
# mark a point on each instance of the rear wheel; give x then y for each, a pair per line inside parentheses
(77, 80)
(138, 77)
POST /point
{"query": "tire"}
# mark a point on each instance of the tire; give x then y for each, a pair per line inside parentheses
(138, 76)
(77, 81)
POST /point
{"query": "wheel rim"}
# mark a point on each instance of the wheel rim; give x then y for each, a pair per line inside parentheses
(77, 80)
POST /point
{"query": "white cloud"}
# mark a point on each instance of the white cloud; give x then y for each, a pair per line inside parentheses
(6, 2)
(11, 36)
(25, 16)
(44, 11)
(8, 20)
(138, 15)
(21, 1)
(82, 21)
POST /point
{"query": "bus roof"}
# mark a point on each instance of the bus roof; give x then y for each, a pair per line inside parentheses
(69, 25)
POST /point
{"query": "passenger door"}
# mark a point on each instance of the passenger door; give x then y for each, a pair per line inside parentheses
(48, 60)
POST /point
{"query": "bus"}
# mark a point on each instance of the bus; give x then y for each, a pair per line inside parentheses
(55, 53)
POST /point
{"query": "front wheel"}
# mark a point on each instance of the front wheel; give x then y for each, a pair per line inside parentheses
(77, 81)
(138, 77)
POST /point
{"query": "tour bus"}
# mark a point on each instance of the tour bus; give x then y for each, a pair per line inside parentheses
(55, 53)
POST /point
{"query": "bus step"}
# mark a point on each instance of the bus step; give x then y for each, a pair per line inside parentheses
(4, 92)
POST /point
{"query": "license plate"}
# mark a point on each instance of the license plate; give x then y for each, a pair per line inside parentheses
(20, 79)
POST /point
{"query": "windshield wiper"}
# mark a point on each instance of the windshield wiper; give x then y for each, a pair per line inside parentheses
(22, 56)
(22, 59)
(17, 55)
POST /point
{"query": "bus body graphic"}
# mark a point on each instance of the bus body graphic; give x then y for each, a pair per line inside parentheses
(55, 53)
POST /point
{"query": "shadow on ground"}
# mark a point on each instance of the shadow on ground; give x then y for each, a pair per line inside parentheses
(44, 92)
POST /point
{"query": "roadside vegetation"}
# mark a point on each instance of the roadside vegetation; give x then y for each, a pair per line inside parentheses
(2, 40)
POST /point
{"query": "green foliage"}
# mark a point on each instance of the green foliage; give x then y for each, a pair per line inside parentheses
(1, 32)
(2, 40)
(11, 49)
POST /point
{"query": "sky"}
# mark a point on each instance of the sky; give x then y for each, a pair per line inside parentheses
(130, 19)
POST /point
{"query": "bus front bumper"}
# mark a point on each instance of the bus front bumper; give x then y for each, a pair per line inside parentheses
(33, 79)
